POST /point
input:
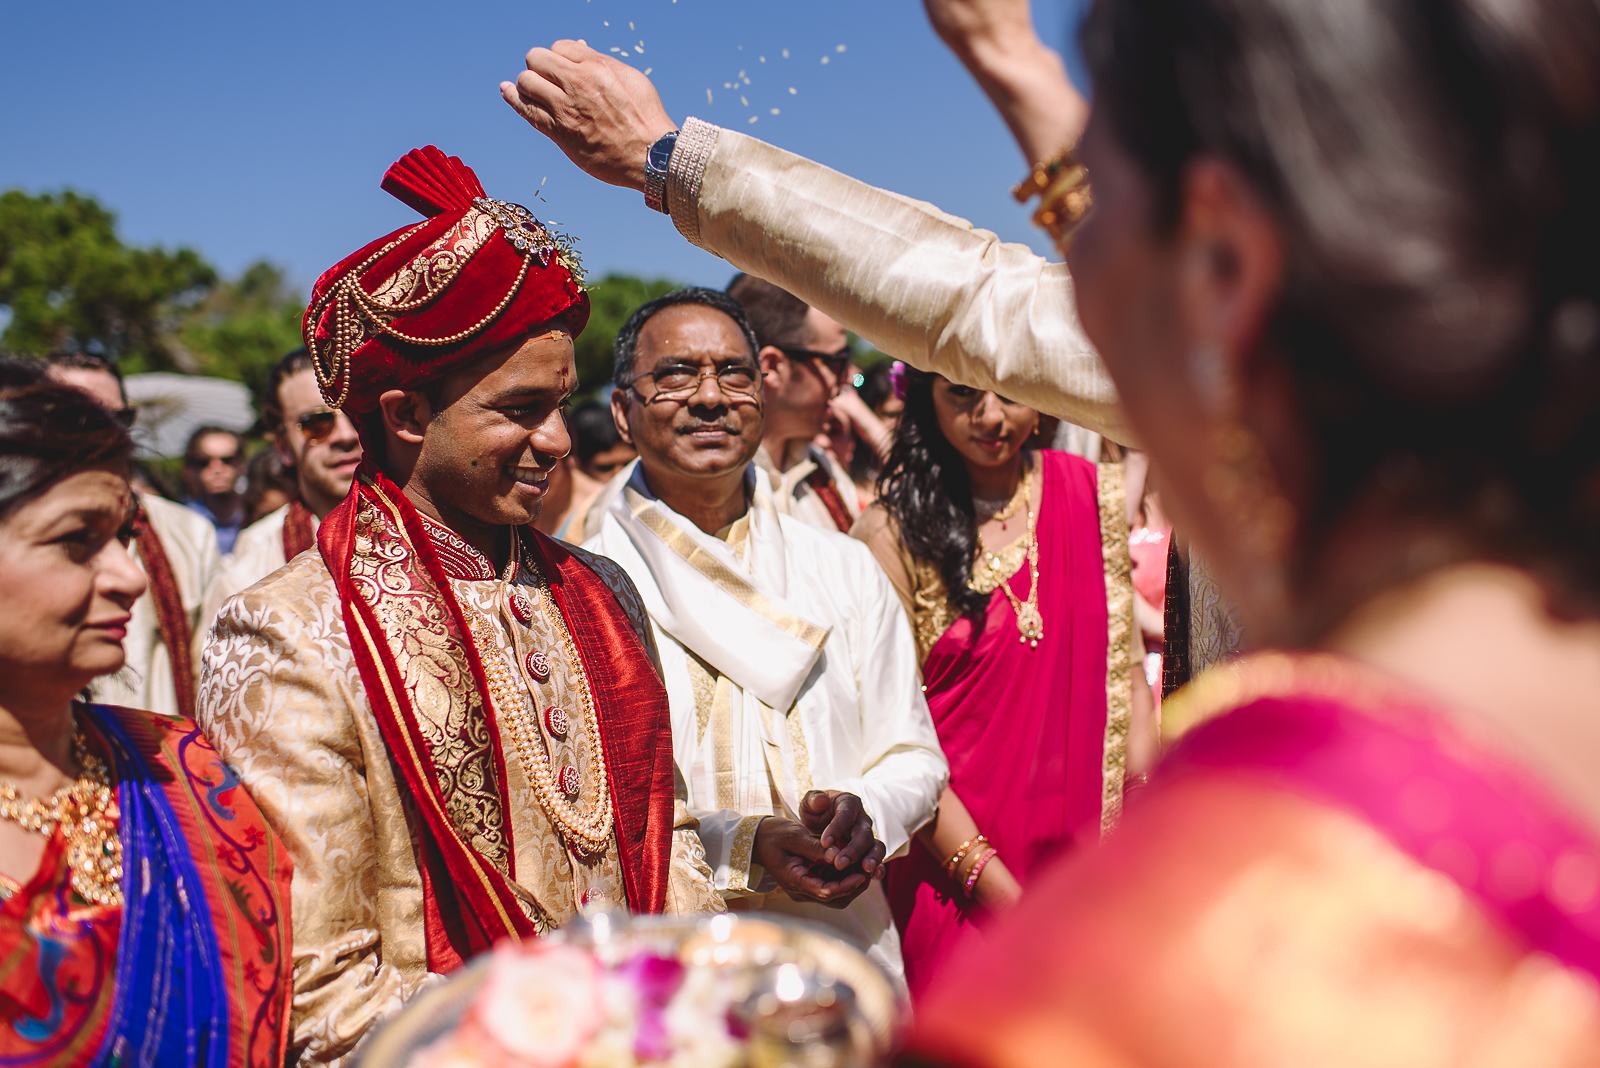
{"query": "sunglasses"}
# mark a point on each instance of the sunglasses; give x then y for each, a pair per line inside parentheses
(126, 416)
(318, 426)
(200, 463)
(837, 362)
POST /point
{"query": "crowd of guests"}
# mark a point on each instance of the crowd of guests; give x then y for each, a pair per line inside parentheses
(762, 630)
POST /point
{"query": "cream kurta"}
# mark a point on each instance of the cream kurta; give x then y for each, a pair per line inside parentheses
(190, 543)
(790, 666)
(925, 286)
(282, 700)
(256, 554)
(794, 496)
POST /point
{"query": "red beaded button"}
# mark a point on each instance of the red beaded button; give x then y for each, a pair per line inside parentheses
(556, 721)
(521, 607)
(538, 665)
(567, 779)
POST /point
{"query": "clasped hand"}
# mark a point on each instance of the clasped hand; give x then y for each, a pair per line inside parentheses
(830, 856)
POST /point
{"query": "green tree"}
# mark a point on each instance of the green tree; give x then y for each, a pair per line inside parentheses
(244, 326)
(611, 301)
(68, 281)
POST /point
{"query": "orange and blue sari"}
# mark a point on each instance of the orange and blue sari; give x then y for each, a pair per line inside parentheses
(193, 968)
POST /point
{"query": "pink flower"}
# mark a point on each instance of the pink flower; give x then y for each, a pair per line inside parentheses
(542, 1004)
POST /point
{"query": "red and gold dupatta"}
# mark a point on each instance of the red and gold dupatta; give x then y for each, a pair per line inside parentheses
(395, 592)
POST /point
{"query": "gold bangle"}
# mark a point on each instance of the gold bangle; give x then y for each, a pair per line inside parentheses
(953, 862)
(1062, 185)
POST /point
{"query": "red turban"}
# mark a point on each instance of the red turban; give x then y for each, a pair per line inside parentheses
(474, 276)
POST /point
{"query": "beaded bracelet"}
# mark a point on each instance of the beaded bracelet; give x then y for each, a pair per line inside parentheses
(977, 870)
(953, 863)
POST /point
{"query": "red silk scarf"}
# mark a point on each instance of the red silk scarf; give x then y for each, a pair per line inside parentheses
(299, 531)
(821, 483)
(172, 620)
(470, 903)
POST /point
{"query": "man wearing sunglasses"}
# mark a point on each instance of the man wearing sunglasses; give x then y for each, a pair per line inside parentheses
(177, 550)
(805, 360)
(213, 460)
(798, 722)
(318, 444)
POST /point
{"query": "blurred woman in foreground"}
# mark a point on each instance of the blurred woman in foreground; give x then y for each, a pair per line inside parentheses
(1341, 265)
(143, 914)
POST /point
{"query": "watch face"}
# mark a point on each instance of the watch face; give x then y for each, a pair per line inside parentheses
(661, 153)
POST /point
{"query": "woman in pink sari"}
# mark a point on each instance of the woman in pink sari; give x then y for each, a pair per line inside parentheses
(1341, 263)
(1032, 671)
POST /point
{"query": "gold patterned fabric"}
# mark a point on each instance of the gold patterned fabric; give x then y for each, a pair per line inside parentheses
(283, 702)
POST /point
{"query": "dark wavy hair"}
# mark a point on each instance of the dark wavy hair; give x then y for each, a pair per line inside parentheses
(49, 431)
(926, 490)
(1432, 169)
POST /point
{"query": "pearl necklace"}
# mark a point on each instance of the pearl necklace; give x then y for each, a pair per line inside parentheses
(86, 810)
(587, 833)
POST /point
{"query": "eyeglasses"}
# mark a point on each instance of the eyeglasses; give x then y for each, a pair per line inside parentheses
(318, 425)
(837, 362)
(678, 381)
(126, 416)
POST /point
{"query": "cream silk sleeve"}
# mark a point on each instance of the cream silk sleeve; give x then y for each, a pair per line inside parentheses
(926, 287)
(278, 694)
(690, 886)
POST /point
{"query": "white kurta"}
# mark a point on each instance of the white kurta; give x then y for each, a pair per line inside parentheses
(191, 547)
(812, 684)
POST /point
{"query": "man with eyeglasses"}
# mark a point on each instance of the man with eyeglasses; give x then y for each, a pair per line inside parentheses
(213, 460)
(798, 720)
(805, 360)
(177, 550)
(318, 444)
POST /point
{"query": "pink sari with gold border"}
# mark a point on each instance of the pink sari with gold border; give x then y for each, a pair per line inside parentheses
(1327, 870)
(1036, 737)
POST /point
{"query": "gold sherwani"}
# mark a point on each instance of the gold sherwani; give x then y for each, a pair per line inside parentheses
(282, 700)
(927, 287)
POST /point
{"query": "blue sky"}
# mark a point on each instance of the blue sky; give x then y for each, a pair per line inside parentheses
(261, 131)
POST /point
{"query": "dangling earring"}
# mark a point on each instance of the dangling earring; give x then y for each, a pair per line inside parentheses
(1209, 376)
(1241, 483)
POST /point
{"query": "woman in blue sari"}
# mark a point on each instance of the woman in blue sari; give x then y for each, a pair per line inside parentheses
(143, 899)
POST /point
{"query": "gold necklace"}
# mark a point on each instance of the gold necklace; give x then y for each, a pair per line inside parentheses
(1006, 511)
(588, 833)
(1030, 621)
(86, 811)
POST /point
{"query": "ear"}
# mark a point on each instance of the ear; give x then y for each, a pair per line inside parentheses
(774, 367)
(406, 414)
(619, 415)
(1230, 269)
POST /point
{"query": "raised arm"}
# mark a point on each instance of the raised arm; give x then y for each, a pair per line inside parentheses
(925, 286)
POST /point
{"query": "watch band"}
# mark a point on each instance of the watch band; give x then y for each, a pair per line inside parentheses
(656, 166)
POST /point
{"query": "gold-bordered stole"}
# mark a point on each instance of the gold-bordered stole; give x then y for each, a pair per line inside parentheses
(436, 671)
(1118, 564)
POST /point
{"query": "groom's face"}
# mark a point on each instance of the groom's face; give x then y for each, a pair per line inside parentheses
(692, 407)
